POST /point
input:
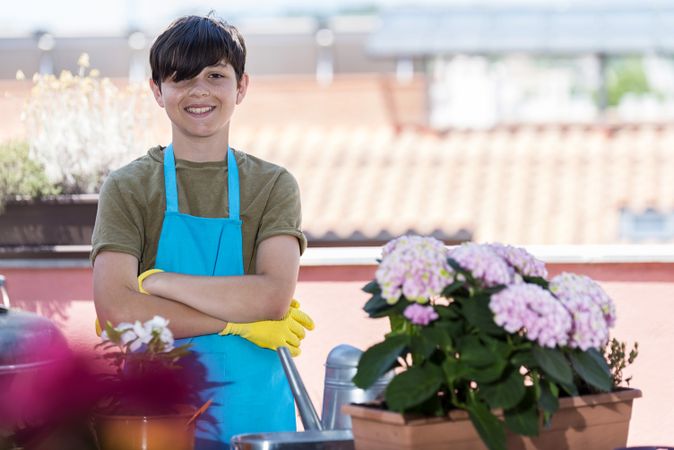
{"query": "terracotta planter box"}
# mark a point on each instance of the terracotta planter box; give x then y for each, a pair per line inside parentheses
(592, 422)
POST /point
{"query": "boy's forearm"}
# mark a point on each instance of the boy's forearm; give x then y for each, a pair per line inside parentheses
(129, 306)
(247, 298)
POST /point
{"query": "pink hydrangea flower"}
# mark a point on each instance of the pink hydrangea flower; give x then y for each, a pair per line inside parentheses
(484, 263)
(592, 309)
(534, 310)
(419, 314)
(415, 267)
(522, 261)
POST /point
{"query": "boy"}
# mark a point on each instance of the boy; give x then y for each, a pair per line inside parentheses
(213, 232)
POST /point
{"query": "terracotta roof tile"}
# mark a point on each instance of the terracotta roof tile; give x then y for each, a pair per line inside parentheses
(523, 185)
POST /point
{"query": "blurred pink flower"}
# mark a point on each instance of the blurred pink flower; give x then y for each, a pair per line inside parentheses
(419, 314)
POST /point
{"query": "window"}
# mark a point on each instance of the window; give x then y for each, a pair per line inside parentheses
(648, 225)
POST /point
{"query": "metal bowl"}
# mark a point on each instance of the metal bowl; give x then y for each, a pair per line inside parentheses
(305, 440)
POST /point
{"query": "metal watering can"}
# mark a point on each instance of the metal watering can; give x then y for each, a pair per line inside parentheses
(340, 367)
(331, 431)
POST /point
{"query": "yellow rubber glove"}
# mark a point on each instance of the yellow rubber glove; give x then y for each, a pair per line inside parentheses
(141, 278)
(272, 334)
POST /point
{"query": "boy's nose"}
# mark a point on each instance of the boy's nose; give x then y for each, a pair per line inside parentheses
(199, 90)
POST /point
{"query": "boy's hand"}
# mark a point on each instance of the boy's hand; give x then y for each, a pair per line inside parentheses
(272, 334)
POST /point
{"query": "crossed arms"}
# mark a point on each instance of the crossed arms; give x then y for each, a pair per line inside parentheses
(198, 305)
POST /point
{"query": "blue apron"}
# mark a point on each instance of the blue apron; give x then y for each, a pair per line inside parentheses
(253, 394)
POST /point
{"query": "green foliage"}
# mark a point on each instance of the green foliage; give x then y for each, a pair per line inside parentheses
(20, 176)
(414, 386)
(625, 75)
(591, 366)
(378, 360)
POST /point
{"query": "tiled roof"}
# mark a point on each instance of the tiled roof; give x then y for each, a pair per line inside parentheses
(363, 181)
(521, 185)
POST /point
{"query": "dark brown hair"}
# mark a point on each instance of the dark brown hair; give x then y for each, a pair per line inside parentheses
(193, 43)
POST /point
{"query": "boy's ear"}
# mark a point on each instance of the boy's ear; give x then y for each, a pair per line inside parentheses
(242, 88)
(156, 91)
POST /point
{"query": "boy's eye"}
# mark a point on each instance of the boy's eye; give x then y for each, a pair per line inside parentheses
(216, 75)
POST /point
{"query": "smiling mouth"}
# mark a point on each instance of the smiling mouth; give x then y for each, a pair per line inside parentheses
(199, 110)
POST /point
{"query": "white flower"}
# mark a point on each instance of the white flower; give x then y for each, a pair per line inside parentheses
(158, 326)
(157, 323)
(144, 333)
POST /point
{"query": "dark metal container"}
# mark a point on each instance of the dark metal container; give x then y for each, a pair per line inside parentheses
(28, 343)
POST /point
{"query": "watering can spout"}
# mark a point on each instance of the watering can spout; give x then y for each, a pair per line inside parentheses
(340, 368)
(308, 414)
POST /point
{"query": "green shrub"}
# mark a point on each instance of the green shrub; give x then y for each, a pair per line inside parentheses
(626, 75)
(20, 176)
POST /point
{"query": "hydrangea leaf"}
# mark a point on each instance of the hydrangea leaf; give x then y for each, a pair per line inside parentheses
(376, 306)
(505, 393)
(554, 364)
(523, 358)
(454, 370)
(592, 367)
(439, 334)
(413, 387)
(490, 373)
(372, 287)
(422, 347)
(379, 359)
(490, 429)
(548, 400)
(540, 281)
(474, 353)
(523, 419)
(477, 312)
(452, 288)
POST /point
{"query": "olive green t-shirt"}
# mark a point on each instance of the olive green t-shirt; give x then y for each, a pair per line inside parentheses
(132, 203)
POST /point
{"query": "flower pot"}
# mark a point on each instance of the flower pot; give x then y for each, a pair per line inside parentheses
(591, 422)
(160, 432)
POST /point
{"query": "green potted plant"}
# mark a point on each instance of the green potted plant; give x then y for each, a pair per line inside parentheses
(489, 353)
(151, 398)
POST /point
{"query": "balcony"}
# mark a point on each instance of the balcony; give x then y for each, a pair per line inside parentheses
(640, 279)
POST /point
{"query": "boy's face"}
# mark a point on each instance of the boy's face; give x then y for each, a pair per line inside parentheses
(202, 106)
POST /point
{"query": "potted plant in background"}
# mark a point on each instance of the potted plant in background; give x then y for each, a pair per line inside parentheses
(78, 127)
(489, 354)
(150, 401)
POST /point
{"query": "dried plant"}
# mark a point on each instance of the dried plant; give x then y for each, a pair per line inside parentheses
(618, 359)
(81, 126)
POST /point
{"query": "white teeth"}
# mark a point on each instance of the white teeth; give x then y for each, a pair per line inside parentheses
(200, 110)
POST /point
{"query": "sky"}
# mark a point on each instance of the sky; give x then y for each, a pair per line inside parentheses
(76, 17)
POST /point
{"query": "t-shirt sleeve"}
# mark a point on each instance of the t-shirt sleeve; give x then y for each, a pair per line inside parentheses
(283, 211)
(119, 222)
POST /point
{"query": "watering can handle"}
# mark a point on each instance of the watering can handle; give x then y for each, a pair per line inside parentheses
(307, 411)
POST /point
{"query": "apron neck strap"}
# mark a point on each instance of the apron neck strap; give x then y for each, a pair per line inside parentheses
(170, 180)
(171, 185)
(233, 185)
